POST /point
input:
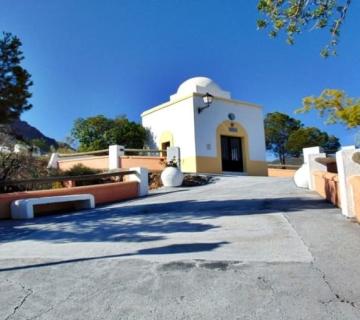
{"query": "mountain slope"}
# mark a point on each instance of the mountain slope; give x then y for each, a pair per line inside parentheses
(24, 131)
(21, 132)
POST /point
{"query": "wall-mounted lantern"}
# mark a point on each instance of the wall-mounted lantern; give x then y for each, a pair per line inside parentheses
(208, 99)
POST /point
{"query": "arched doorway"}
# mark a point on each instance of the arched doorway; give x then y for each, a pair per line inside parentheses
(232, 146)
(166, 140)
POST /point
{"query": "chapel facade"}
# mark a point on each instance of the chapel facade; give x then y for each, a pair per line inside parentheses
(218, 136)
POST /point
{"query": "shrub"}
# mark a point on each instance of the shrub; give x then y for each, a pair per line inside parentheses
(21, 166)
(80, 170)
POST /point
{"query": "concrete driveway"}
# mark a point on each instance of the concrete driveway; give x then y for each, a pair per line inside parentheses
(238, 248)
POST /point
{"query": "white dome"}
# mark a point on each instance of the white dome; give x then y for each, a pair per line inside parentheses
(200, 85)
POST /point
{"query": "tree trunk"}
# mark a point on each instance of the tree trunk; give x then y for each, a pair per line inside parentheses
(282, 160)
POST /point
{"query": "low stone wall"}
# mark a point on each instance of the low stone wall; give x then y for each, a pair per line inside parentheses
(341, 188)
(94, 162)
(272, 172)
(103, 193)
(355, 191)
(150, 163)
(327, 185)
(125, 162)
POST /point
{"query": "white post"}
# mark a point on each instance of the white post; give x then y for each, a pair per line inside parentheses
(142, 177)
(313, 166)
(346, 168)
(53, 162)
(173, 153)
(115, 152)
(310, 164)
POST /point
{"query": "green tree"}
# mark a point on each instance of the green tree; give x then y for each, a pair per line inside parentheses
(332, 144)
(96, 133)
(128, 133)
(15, 81)
(336, 106)
(293, 16)
(278, 128)
(286, 137)
(92, 133)
(310, 137)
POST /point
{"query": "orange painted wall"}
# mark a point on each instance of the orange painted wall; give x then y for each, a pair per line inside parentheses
(103, 193)
(102, 162)
(355, 187)
(327, 185)
(151, 163)
(98, 162)
(281, 172)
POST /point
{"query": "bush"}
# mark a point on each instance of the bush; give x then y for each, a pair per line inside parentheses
(80, 170)
(21, 166)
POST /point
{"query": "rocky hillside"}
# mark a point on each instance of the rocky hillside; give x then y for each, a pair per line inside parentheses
(22, 131)
(27, 132)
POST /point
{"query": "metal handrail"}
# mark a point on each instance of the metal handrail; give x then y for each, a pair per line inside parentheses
(117, 173)
(106, 151)
(144, 150)
(87, 153)
(276, 165)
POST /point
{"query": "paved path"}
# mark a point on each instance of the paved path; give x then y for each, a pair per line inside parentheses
(239, 248)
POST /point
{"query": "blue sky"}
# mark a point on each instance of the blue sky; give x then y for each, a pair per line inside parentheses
(119, 57)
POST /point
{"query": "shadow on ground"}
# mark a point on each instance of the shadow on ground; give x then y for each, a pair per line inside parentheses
(170, 249)
(144, 222)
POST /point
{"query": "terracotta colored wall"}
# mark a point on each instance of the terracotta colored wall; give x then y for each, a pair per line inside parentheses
(102, 162)
(327, 185)
(98, 162)
(281, 172)
(103, 193)
(150, 163)
(355, 187)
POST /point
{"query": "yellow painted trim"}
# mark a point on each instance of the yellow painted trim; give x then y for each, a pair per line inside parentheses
(233, 101)
(165, 105)
(251, 167)
(170, 103)
(166, 136)
(223, 130)
(188, 164)
(257, 168)
(208, 165)
(214, 164)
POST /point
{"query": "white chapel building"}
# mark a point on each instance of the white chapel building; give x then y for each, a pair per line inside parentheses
(214, 132)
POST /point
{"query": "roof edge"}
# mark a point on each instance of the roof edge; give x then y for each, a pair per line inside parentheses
(195, 94)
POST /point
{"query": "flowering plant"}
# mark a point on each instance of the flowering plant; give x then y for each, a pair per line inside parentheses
(170, 163)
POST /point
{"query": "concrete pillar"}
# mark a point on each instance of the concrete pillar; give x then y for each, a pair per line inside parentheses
(346, 168)
(310, 165)
(173, 153)
(115, 152)
(53, 162)
(315, 166)
(142, 177)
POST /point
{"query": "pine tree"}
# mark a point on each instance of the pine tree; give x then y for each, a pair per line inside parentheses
(15, 81)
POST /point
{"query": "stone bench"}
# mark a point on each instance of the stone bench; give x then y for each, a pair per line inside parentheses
(24, 208)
